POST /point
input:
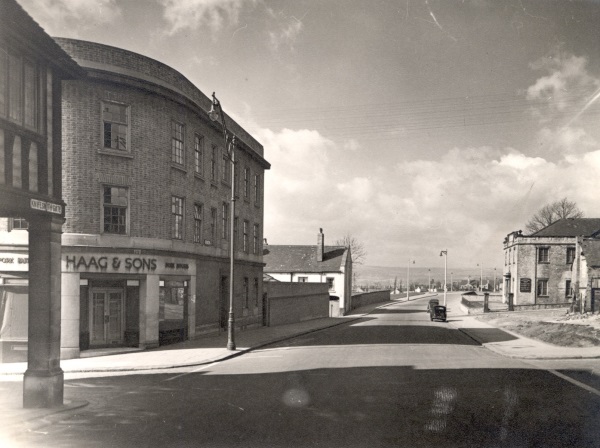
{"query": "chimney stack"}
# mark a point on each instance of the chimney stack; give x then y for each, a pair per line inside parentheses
(320, 245)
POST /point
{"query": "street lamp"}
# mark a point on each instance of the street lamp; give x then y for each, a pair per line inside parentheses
(429, 281)
(451, 281)
(494, 279)
(408, 279)
(214, 115)
(445, 254)
(480, 276)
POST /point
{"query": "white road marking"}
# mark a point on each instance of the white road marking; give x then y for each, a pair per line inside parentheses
(575, 382)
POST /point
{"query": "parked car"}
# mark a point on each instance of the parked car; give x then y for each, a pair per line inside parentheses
(432, 303)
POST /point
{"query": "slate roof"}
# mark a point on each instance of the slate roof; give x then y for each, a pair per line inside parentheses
(283, 259)
(570, 227)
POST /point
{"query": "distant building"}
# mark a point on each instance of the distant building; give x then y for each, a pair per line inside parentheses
(313, 264)
(539, 268)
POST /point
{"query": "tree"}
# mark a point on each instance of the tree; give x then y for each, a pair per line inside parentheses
(357, 249)
(550, 213)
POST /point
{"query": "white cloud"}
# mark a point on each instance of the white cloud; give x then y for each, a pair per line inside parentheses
(567, 74)
(195, 14)
(66, 17)
(287, 31)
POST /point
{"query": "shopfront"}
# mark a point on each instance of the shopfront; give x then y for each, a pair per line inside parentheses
(125, 300)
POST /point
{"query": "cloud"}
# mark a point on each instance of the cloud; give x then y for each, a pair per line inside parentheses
(287, 31)
(66, 17)
(195, 14)
(567, 75)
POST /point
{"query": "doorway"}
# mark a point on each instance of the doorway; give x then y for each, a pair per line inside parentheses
(107, 319)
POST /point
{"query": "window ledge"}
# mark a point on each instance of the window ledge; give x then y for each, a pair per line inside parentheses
(198, 176)
(178, 167)
(110, 152)
(214, 184)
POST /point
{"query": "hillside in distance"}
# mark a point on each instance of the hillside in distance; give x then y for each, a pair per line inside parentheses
(385, 275)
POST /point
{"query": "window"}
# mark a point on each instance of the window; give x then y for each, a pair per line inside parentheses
(255, 239)
(225, 168)
(20, 224)
(245, 236)
(302, 279)
(3, 82)
(115, 204)
(19, 90)
(116, 120)
(15, 88)
(542, 288)
(543, 254)
(570, 255)
(568, 292)
(198, 223)
(235, 232)
(256, 292)
(177, 217)
(198, 154)
(224, 219)
(213, 223)
(331, 284)
(246, 183)
(246, 292)
(257, 189)
(213, 164)
(177, 153)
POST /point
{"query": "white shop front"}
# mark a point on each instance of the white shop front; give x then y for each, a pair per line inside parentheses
(125, 300)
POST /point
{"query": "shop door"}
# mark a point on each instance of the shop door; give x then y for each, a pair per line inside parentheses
(107, 323)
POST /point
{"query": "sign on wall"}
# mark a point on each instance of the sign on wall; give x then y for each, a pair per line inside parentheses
(525, 285)
(119, 263)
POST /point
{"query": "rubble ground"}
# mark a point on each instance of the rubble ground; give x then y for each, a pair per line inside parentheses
(556, 327)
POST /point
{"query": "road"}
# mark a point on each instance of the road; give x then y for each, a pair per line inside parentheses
(391, 379)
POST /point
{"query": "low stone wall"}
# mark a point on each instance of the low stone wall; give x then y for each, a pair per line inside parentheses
(542, 306)
(296, 302)
(367, 298)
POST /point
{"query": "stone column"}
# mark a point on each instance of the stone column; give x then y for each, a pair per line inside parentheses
(43, 382)
(149, 309)
(70, 310)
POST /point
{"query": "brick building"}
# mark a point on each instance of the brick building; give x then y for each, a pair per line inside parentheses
(147, 183)
(539, 268)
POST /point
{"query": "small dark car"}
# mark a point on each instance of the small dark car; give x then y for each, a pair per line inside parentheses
(431, 304)
(438, 312)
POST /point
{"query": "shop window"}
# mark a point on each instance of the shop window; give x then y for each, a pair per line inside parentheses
(20, 224)
(115, 118)
(115, 205)
(172, 295)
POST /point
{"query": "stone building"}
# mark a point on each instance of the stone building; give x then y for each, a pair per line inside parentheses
(147, 183)
(539, 268)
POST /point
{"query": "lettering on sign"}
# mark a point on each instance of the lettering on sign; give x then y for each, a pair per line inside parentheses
(103, 263)
(525, 285)
(177, 266)
(45, 206)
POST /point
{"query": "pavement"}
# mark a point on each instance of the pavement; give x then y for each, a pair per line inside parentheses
(210, 349)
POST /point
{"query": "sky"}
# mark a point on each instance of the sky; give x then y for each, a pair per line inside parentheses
(414, 126)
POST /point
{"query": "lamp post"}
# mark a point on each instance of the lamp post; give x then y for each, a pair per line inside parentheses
(214, 115)
(480, 276)
(429, 280)
(494, 279)
(445, 254)
(408, 280)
